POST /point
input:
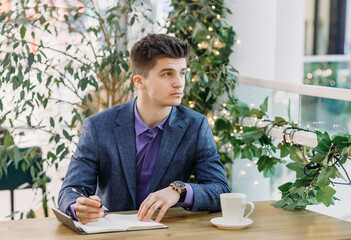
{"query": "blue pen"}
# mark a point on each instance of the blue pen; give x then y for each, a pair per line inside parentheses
(82, 195)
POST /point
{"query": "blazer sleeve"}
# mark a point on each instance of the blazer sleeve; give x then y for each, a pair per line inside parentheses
(83, 169)
(209, 172)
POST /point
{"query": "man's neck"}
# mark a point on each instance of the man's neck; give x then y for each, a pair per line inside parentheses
(151, 114)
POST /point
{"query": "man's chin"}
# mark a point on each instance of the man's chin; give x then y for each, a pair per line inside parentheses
(174, 103)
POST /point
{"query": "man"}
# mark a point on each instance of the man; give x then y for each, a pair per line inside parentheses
(137, 155)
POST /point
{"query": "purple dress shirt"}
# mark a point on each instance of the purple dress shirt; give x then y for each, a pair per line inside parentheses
(147, 145)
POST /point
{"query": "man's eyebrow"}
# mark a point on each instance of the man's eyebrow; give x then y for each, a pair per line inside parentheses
(167, 69)
(171, 69)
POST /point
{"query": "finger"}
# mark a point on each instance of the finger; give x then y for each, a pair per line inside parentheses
(94, 197)
(89, 215)
(85, 221)
(145, 206)
(86, 208)
(88, 202)
(152, 210)
(162, 213)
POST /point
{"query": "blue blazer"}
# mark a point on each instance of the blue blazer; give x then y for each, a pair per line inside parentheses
(104, 162)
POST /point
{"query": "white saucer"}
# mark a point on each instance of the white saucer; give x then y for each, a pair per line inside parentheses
(218, 221)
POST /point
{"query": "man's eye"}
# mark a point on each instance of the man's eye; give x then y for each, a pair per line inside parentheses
(182, 74)
(167, 74)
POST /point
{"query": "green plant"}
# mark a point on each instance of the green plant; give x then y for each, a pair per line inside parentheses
(210, 75)
(77, 48)
(314, 170)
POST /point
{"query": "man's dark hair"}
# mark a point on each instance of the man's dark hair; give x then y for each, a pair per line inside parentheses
(147, 50)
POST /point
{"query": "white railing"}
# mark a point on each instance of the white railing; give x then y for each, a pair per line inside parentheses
(307, 90)
(301, 137)
(327, 58)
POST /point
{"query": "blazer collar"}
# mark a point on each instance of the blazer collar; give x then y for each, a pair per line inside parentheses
(173, 133)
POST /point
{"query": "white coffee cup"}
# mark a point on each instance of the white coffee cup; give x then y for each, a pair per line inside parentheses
(233, 207)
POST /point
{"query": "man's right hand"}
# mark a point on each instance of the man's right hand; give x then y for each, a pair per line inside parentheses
(88, 209)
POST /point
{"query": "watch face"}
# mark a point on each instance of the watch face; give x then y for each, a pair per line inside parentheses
(179, 184)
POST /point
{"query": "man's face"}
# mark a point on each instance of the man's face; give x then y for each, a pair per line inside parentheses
(164, 84)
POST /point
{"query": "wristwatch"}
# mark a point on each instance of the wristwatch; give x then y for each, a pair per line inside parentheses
(180, 188)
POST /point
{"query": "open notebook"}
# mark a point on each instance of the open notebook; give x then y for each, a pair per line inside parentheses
(110, 223)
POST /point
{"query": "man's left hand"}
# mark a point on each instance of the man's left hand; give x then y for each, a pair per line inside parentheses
(163, 199)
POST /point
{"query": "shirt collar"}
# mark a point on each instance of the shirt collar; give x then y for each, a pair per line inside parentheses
(141, 127)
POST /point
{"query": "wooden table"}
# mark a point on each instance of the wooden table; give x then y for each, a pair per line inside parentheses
(268, 223)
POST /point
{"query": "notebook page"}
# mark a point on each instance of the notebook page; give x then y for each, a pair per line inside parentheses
(131, 222)
(103, 225)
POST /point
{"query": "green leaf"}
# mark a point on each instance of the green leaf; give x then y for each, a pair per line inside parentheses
(325, 195)
(247, 153)
(289, 110)
(30, 59)
(39, 76)
(264, 105)
(296, 154)
(280, 204)
(236, 152)
(298, 168)
(324, 142)
(284, 149)
(285, 187)
(23, 31)
(340, 141)
(22, 95)
(318, 158)
(65, 133)
(57, 138)
(17, 157)
(60, 148)
(252, 135)
(323, 179)
(222, 124)
(52, 122)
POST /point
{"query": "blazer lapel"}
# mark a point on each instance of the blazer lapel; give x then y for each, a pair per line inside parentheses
(172, 134)
(125, 138)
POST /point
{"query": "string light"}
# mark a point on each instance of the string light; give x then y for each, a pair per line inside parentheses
(248, 164)
(191, 104)
(256, 182)
(193, 80)
(199, 45)
(224, 105)
(242, 172)
(190, 28)
(217, 52)
(208, 37)
(238, 41)
(218, 16)
(213, 7)
(210, 29)
(188, 69)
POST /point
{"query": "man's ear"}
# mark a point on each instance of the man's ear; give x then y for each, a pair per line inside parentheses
(138, 82)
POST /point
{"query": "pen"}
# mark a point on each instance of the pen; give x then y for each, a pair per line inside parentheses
(82, 195)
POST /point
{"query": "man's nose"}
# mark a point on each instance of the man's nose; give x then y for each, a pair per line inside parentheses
(178, 82)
